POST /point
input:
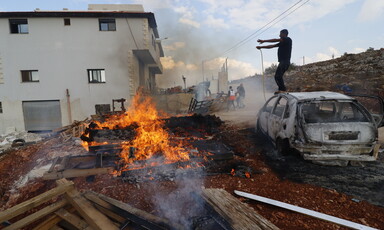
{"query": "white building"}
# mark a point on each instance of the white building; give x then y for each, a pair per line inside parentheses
(60, 66)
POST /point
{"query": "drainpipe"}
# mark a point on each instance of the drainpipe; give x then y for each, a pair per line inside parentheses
(69, 107)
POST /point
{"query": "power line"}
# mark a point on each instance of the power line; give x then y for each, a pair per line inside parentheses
(261, 29)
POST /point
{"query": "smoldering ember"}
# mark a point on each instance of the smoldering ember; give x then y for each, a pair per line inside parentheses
(181, 157)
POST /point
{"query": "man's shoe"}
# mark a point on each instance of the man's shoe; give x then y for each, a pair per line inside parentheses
(280, 91)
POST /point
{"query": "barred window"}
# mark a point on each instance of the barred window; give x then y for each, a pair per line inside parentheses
(96, 75)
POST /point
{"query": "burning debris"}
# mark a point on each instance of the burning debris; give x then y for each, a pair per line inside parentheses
(150, 146)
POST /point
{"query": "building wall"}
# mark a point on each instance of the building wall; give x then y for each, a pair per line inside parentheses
(62, 55)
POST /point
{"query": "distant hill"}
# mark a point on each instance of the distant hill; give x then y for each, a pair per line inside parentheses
(356, 73)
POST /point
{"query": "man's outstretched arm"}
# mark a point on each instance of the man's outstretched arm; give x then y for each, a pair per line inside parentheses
(268, 47)
(269, 40)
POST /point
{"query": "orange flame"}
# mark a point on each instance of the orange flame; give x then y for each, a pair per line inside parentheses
(151, 138)
(233, 172)
(247, 175)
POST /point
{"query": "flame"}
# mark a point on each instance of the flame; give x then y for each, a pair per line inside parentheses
(233, 172)
(247, 175)
(151, 138)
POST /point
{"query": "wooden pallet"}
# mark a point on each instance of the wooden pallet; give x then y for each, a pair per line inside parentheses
(76, 166)
(75, 210)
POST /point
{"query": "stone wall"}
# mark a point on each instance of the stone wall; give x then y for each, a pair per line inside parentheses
(355, 73)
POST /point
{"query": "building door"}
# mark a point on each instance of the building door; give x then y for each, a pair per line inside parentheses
(41, 115)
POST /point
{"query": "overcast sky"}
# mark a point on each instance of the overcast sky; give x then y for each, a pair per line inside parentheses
(201, 34)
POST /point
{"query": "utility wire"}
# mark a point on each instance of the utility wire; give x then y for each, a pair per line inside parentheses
(261, 29)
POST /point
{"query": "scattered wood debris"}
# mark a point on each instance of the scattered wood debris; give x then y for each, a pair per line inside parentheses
(64, 207)
(236, 213)
(87, 210)
(73, 130)
(75, 166)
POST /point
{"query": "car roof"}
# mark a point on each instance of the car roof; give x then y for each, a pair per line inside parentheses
(320, 95)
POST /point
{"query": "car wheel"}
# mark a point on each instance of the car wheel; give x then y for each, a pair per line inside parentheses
(282, 146)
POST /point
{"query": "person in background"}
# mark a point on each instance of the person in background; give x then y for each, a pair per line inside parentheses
(283, 55)
(240, 96)
(231, 99)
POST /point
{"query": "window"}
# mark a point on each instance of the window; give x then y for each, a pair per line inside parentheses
(18, 26)
(271, 103)
(280, 107)
(333, 112)
(29, 76)
(96, 75)
(107, 24)
(1, 108)
(67, 21)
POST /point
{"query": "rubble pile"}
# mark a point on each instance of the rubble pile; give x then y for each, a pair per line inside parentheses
(15, 139)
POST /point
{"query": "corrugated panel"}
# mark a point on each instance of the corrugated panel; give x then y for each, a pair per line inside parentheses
(41, 115)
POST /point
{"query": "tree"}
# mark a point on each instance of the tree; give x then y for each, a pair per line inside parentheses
(271, 69)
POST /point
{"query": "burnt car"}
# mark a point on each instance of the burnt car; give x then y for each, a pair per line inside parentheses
(324, 127)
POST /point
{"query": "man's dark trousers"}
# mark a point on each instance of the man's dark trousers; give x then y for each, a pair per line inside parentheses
(281, 68)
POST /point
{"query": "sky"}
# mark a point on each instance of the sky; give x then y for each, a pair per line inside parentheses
(198, 36)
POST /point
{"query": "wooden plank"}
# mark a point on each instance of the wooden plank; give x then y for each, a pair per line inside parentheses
(94, 218)
(376, 151)
(48, 223)
(53, 164)
(69, 173)
(305, 211)
(137, 216)
(51, 221)
(37, 215)
(56, 228)
(74, 220)
(115, 217)
(34, 202)
(104, 207)
(238, 214)
(63, 163)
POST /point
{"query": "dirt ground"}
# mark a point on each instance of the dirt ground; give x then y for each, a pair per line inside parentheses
(289, 179)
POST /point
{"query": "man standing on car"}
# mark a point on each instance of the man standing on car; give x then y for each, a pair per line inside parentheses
(283, 54)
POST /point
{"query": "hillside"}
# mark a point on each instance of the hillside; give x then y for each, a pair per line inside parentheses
(357, 73)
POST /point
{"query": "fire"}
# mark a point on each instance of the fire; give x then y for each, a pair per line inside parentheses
(233, 172)
(151, 139)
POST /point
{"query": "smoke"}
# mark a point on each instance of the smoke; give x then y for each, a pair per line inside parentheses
(185, 202)
(254, 99)
(195, 52)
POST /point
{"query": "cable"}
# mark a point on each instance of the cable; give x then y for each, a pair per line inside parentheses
(256, 32)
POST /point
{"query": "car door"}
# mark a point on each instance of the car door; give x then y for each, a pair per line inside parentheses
(374, 105)
(265, 114)
(276, 121)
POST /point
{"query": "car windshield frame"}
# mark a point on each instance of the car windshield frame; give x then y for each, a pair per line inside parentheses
(333, 111)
